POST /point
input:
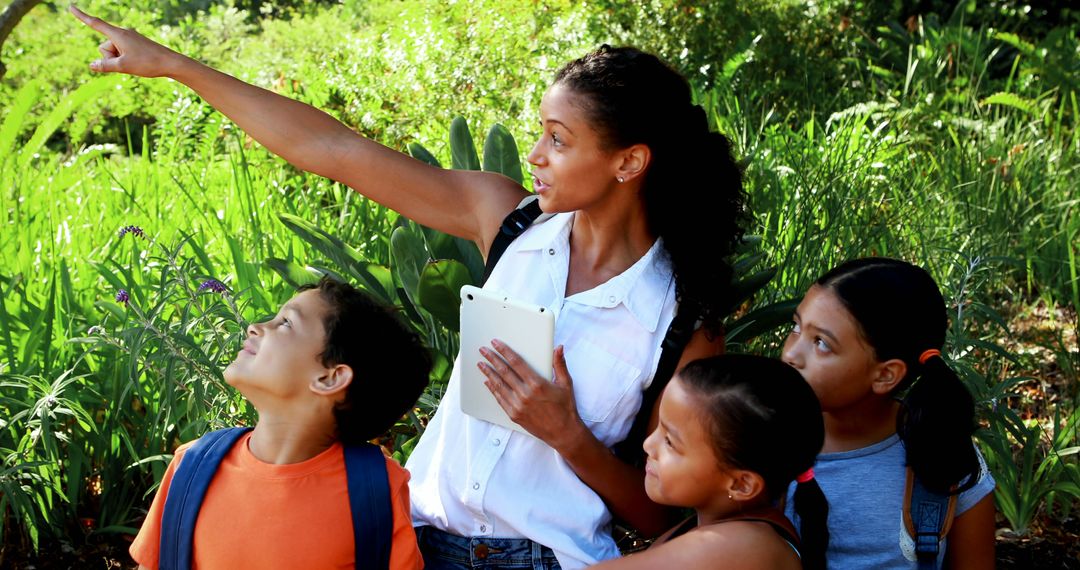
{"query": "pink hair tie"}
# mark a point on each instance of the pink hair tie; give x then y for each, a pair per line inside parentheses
(805, 476)
(928, 355)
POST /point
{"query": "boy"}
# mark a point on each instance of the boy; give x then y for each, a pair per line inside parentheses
(333, 368)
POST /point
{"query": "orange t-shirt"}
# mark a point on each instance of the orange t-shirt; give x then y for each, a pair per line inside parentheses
(260, 515)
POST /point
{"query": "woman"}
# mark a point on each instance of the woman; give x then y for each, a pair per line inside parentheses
(647, 204)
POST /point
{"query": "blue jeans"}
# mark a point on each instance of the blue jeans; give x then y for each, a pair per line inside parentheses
(445, 551)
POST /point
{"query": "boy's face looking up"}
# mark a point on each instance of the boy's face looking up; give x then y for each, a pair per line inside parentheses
(281, 360)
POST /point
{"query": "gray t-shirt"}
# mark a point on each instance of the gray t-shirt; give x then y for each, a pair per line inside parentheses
(865, 490)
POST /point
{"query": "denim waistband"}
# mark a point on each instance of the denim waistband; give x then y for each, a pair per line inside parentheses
(444, 550)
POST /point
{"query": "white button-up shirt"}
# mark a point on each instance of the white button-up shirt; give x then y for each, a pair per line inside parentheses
(474, 478)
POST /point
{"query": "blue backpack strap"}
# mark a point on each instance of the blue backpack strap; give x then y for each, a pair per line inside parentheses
(369, 502)
(928, 516)
(186, 492)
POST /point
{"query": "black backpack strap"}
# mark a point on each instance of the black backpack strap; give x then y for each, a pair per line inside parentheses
(675, 340)
(186, 493)
(928, 516)
(780, 523)
(369, 503)
(514, 224)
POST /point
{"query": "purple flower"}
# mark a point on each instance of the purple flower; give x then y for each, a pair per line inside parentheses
(212, 285)
(122, 296)
(133, 230)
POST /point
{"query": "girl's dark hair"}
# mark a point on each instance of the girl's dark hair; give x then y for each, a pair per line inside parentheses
(900, 313)
(693, 190)
(390, 364)
(764, 417)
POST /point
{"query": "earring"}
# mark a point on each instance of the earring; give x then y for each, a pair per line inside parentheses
(619, 178)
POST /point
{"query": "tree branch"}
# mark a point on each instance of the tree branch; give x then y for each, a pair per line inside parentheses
(10, 18)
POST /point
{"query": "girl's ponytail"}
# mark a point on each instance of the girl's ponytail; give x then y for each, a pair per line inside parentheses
(935, 423)
(813, 510)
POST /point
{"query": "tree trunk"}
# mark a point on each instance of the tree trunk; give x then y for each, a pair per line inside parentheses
(10, 18)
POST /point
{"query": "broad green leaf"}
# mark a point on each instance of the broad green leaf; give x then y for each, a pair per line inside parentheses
(501, 154)
(420, 153)
(445, 246)
(113, 308)
(760, 320)
(462, 148)
(744, 264)
(337, 251)
(745, 288)
(439, 290)
(409, 258)
(377, 279)
(293, 273)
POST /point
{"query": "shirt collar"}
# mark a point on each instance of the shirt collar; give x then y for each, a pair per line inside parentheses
(643, 288)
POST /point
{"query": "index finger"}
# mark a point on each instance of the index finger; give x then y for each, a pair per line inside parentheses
(515, 361)
(96, 23)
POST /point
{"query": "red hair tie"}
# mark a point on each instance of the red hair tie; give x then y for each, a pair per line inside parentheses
(928, 355)
(805, 476)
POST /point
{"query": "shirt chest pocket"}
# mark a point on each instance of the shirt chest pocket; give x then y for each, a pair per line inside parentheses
(605, 386)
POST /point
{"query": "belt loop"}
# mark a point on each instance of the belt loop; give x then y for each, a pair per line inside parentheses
(537, 555)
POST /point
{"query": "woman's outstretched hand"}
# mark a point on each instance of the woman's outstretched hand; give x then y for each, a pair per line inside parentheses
(545, 409)
(125, 51)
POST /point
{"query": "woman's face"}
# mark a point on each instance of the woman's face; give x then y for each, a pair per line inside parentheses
(571, 170)
(827, 348)
(682, 468)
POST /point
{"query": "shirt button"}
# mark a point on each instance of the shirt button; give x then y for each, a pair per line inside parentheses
(483, 528)
(611, 299)
(496, 442)
(551, 251)
(476, 486)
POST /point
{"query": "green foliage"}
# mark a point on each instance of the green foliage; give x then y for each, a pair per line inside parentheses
(947, 133)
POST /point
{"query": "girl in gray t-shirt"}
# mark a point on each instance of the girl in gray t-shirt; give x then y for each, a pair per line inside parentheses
(867, 338)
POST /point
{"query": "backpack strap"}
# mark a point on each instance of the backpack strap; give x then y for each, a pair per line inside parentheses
(778, 522)
(675, 340)
(514, 224)
(186, 492)
(369, 503)
(772, 516)
(369, 500)
(928, 517)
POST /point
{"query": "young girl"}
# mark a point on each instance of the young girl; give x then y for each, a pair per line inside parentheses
(734, 432)
(867, 338)
(647, 205)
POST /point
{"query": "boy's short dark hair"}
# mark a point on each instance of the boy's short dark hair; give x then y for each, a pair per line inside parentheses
(390, 364)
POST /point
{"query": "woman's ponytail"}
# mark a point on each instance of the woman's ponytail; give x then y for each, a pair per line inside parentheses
(935, 423)
(693, 188)
(813, 510)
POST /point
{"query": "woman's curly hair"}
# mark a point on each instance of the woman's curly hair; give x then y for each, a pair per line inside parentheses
(693, 188)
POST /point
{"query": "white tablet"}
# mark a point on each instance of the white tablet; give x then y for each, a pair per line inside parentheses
(528, 329)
